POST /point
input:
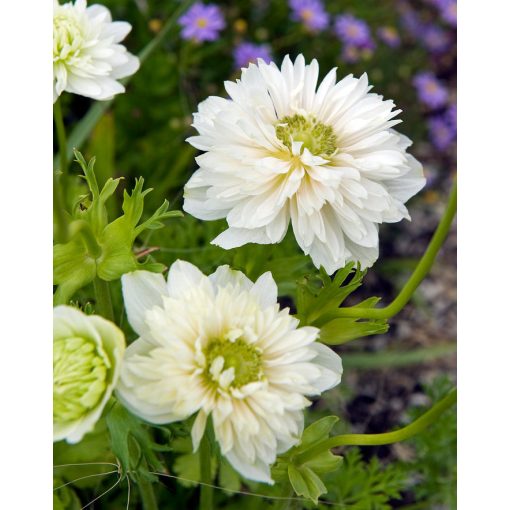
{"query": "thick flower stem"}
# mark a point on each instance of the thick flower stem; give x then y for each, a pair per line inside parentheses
(402, 434)
(149, 500)
(103, 299)
(206, 491)
(419, 273)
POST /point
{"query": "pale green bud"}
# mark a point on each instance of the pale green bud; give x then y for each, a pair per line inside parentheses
(87, 352)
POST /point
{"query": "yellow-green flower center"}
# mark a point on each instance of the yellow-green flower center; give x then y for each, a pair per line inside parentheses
(232, 363)
(67, 36)
(79, 378)
(317, 137)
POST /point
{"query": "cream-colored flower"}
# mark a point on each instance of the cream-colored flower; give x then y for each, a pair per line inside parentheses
(87, 57)
(221, 346)
(87, 353)
(282, 150)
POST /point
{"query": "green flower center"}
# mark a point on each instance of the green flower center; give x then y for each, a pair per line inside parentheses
(232, 363)
(317, 137)
(79, 378)
(67, 37)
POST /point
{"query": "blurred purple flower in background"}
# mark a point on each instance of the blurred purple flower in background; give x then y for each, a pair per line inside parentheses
(353, 31)
(430, 90)
(448, 10)
(310, 12)
(389, 36)
(451, 116)
(410, 20)
(202, 22)
(442, 134)
(435, 39)
(249, 52)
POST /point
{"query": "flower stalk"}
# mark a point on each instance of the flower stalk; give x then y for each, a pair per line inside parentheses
(206, 492)
(421, 271)
(146, 489)
(396, 436)
(103, 298)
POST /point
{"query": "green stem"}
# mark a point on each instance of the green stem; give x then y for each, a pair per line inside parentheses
(59, 180)
(402, 434)
(419, 273)
(149, 500)
(206, 491)
(103, 298)
(61, 136)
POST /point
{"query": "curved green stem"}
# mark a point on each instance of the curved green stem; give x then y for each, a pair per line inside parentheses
(206, 491)
(419, 273)
(402, 434)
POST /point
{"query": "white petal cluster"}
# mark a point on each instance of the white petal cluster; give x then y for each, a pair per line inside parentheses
(283, 150)
(87, 353)
(87, 57)
(220, 346)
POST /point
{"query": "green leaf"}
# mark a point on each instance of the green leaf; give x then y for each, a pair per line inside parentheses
(132, 444)
(317, 431)
(304, 477)
(365, 486)
(102, 144)
(100, 248)
(73, 268)
(306, 483)
(318, 303)
(340, 331)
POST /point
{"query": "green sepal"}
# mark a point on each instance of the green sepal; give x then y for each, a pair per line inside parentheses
(318, 303)
(132, 444)
(304, 477)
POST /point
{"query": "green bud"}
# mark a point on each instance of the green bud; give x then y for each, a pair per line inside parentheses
(87, 351)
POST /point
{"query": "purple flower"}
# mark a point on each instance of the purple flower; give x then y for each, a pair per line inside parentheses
(353, 31)
(430, 91)
(202, 22)
(248, 52)
(310, 12)
(389, 36)
(448, 10)
(451, 116)
(350, 54)
(441, 133)
(410, 20)
(435, 39)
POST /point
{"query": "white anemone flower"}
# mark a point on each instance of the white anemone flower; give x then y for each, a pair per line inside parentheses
(221, 346)
(87, 57)
(282, 150)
